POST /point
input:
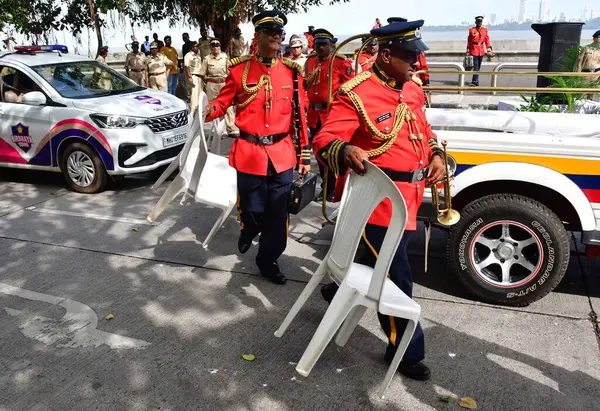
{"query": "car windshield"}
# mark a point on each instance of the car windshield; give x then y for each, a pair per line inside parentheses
(85, 79)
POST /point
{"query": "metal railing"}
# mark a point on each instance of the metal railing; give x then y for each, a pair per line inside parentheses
(498, 67)
(458, 66)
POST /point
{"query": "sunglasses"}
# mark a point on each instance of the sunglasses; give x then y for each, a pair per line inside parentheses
(271, 31)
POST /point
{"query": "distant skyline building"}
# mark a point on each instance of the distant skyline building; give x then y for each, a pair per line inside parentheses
(562, 17)
(584, 14)
(522, 11)
(542, 16)
(493, 18)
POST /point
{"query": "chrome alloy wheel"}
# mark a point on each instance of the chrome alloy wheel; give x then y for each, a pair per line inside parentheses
(81, 169)
(506, 254)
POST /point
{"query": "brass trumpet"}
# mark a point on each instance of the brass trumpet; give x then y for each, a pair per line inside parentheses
(447, 215)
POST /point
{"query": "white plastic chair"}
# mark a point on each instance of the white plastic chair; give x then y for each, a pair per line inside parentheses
(206, 176)
(361, 286)
(217, 130)
(179, 161)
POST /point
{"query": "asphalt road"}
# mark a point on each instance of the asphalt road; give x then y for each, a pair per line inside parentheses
(183, 316)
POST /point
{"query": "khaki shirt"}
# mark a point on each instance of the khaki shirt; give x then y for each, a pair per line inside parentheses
(591, 58)
(172, 55)
(193, 61)
(215, 67)
(300, 60)
(237, 46)
(204, 46)
(135, 61)
(157, 64)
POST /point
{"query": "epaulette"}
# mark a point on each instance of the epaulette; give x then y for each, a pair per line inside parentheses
(314, 53)
(341, 56)
(237, 60)
(417, 80)
(355, 81)
(292, 64)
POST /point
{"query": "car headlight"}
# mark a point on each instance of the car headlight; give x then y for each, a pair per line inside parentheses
(116, 121)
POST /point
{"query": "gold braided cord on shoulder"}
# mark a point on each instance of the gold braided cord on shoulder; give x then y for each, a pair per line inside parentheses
(237, 60)
(402, 113)
(292, 64)
(340, 56)
(315, 74)
(253, 91)
(417, 80)
(355, 81)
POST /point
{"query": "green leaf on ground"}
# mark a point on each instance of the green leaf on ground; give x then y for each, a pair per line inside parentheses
(109, 317)
(446, 399)
(248, 357)
(135, 229)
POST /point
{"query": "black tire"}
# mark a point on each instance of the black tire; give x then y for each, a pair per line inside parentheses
(546, 258)
(100, 177)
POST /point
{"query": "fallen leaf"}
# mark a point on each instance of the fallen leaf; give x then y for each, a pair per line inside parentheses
(136, 229)
(109, 317)
(446, 399)
(51, 193)
(248, 357)
(468, 402)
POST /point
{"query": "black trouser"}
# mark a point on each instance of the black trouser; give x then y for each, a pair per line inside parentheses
(477, 60)
(330, 175)
(262, 206)
(401, 276)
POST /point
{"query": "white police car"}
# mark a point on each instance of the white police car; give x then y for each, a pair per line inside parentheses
(62, 112)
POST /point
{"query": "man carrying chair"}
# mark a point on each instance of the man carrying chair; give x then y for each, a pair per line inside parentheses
(270, 101)
(379, 115)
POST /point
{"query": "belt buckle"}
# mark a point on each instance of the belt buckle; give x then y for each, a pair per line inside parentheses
(419, 175)
(265, 140)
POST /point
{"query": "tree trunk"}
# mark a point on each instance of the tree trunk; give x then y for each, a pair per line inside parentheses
(96, 24)
(223, 29)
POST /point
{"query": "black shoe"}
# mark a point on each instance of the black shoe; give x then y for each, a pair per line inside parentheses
(474, 84)
(328, 292)
(418, 371)
(274, 274)
(244, 243)
(319, 197)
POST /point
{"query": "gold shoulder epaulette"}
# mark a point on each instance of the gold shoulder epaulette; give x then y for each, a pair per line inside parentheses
(237, 60)
(340, 56)
(292, 64)
(312, 54)
(355, 81)
(417, 80)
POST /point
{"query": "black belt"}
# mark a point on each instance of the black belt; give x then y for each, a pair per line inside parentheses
(413, 176)
(197, 75)
(318, 106)
(263, 140)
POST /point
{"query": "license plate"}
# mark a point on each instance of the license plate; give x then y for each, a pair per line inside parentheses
(172, 140)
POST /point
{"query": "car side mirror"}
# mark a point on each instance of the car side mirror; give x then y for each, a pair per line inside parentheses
(34, 98)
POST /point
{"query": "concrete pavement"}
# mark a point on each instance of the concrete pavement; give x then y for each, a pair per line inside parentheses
(200, 310)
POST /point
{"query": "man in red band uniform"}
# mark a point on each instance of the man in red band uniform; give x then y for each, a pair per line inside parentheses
(267, 105)
(379, 115)
(317, 87)
(310, 39)
(367, 58)
(478, 45)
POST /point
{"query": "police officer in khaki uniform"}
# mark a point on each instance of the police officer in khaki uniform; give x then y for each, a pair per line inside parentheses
(204, 44)
(589, 59)
(135, 66)
(237, 44)
(102, 76)
(192, 63)
(214, 71)
(157, 69)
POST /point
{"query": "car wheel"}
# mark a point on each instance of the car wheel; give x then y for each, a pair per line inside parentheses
(508, 249)
(83, 169)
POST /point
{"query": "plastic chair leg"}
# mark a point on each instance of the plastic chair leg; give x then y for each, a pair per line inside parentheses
(170, 170)
(177, 186)
(306, 293)
(406, 337)
(341, 305)
(220, 221)
(349, 325)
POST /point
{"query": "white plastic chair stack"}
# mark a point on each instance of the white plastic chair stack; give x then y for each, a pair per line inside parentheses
(361, 286)
(205, 176)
